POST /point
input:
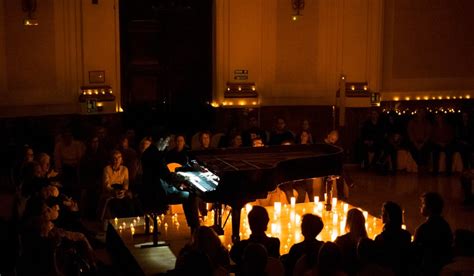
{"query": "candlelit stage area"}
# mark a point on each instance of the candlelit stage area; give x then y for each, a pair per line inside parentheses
(285, 219)
(369, 193)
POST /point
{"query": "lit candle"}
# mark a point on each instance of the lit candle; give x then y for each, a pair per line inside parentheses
(342, 228)
(116, 221)
(325, 196)
(404, 227)
(248, 207)
(273, 228)
(277, 207)
(335, 219)
(346, 207)
(334, 201)
(293, 201)
(292, 216)
(366, 214)
(316, 199)
(297, 219)
(132, 230)
(334, 235)
(124, 224)
(138, 218)
(151, 228)
(120, 227)
(297, 236)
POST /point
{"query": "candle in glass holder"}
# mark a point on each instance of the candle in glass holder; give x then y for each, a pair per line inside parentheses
(292, 202)
(404, 227)
(138, 218)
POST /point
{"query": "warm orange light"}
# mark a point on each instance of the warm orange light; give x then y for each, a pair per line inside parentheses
(240, 88)
(448, 97)
(396, 98)
(468, 96)
(407, 98)
(418, 98)
(99, 104)
(231, 103)
(228, 88)
(454, 97)
(440, 98)
(214, 104)
(426, 98)
(241, 102)
(253, 88)
(352, 87)
(460, 97)
(254, 103)
(365, 87)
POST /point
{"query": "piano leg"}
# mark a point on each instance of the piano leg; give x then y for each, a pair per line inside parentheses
(217, 227)
(236, 208)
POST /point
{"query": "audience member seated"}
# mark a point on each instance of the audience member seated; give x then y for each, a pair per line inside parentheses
(466, 184)
(49, 250)
(311, 226)
(355, 225)
(281, 134)
(464, 140)
(253, 131)
(394, 242)
(419, 133)
(160, 188)
(204, 140)
(178, 154)
(67, 157)
(329, 261)
(44, 161)
(372, 136)
(304, 138)
(305, 127)
(91, 172)
(367, 255)
(257, 142)
(235, 141)
(258, 222)
(130, 159)
(254, 260)
(442, 141)
(205, 241)
(463, 249)
(433, 238)
(116, 198)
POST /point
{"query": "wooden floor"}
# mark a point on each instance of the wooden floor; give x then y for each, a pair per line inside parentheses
(370, 191)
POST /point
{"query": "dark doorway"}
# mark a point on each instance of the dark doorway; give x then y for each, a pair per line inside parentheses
(166, 57)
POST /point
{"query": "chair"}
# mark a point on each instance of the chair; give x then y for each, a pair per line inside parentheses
(274, 267)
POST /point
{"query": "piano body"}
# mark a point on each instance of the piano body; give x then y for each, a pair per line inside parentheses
(237, 176)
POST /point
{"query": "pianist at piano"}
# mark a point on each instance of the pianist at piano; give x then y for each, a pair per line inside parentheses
(157, 191)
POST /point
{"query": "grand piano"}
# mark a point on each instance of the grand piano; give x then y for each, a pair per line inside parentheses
(237, 176)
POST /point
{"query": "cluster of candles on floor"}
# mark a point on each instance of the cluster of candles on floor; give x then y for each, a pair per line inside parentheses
(139, 222)
(285, 221)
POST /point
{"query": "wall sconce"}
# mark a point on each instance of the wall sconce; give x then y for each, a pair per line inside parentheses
(29, 6)
(298, 6)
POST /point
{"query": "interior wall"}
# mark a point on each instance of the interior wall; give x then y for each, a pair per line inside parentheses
(42, 67)
(298, 62)
(428, 48)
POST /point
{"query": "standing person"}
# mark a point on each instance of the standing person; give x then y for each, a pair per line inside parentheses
(433, 238)
(372, 139)
(465, 140)
(443, 140)
(419, 133)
